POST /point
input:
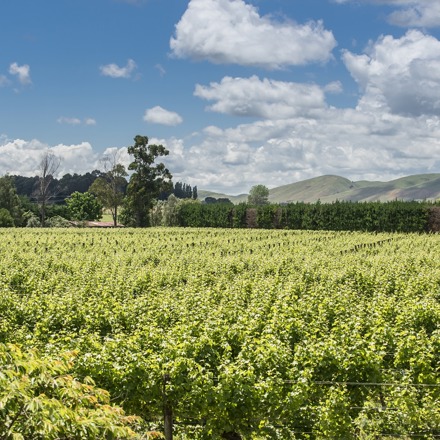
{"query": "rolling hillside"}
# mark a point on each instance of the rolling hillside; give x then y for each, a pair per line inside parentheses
(328, 189)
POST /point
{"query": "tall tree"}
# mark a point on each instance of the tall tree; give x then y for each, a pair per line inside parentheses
(48, 167)
(110, 187)
(147, 181)
(258, 195)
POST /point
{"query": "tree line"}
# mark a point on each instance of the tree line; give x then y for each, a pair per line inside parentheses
(44, 200)
(394, 216)
(149, 198)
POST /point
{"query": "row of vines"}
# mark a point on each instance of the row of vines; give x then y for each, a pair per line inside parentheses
(243, 333)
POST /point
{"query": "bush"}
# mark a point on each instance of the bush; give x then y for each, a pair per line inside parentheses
(58, 222)
(33, 221)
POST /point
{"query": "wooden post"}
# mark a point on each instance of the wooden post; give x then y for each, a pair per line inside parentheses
(167, 410)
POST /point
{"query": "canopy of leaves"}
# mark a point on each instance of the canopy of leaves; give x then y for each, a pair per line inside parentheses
(147, 181)
(258, 195)
(110, 188)
(84, 206)
(41, 399)
(10, 202)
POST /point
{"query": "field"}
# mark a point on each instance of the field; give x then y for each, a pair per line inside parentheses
(249, 334)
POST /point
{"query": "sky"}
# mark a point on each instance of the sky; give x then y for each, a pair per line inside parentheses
(241, 92)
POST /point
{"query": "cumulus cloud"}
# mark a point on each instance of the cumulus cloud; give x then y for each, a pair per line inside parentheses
(158, 115)
(22, 72)
(22, 157)
(402, 74)
(261, 98)
(114, 71)
(393, 131)
(233, 32)
(347, 142)
(355, 143)
(409, 13)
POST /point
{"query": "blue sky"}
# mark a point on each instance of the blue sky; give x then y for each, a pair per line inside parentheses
(241, 92)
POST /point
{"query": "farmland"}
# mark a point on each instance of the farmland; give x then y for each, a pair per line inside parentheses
(252, 333)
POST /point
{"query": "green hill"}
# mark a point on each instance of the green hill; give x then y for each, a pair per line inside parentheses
(328, 189)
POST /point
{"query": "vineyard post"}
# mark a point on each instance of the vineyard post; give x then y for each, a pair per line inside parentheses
(167, 410)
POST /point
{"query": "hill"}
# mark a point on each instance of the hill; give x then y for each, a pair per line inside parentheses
(202, 194)
(328, 189)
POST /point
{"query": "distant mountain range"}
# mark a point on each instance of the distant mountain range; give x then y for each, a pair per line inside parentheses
(328, 189)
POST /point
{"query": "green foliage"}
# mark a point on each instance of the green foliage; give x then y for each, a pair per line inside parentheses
(184, 191)
(266, 334)
(84, 206)
(6, 220)
(42, 399)
(167, 213)
(32, 220)
(10, 202)
(258, 195)
(58, 222)
(60, 210)
(215, 215)
(147, 181)
(339, 216)
(110, 188)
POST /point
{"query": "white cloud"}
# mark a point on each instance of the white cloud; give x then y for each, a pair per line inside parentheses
(158, 115)
(358, 143)
(69, 121)
(421, 13)
(409, 13)
(114, 71)
(233, 32)
(393, 131)
(76, 121)
(21, 157)
(402, 75)
(262, 98)
(90, 121)
(22, 72)
(334, 87)
(348, 142)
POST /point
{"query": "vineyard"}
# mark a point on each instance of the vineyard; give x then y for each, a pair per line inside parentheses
(226, 334)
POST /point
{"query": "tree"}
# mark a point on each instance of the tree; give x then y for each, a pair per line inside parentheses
(84, 206)
(259, 195)
(110, 187)
(171, 211)
(48, 167)
(147, 181)
(10, 202)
